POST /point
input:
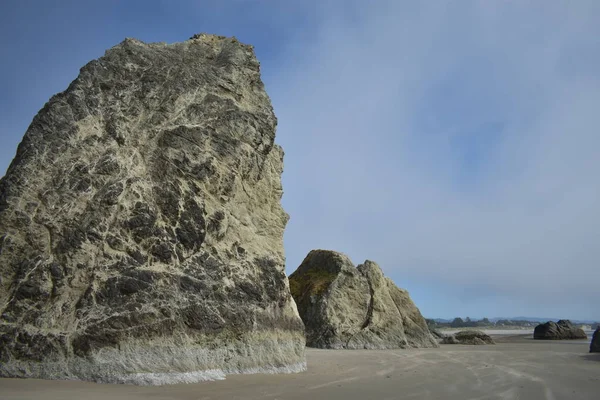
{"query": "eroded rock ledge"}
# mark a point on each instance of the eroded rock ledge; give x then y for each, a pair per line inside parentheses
(141, 231)
(350, 307)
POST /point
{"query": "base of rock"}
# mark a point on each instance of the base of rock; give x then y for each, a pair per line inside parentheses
(172, 361)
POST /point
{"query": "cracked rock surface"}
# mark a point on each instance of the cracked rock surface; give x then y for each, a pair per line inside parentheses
(141, 231)
(348, 307)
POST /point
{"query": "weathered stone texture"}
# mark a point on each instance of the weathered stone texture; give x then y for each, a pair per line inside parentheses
(141, 231)
(350, 307)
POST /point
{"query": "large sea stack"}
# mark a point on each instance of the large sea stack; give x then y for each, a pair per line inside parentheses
(348, 307)
(141, 231)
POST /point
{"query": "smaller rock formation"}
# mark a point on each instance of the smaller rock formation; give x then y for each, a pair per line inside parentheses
(561, 330)
(595, 344)
(468, 337)
(348, 307)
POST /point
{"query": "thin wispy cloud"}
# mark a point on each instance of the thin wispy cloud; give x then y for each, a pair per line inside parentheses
(455, 143)
(450, 142)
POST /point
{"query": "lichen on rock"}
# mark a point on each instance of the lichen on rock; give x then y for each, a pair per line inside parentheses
(141, 231)
(350, 307)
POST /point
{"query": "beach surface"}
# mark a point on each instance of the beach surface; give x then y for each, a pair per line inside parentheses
(517, 367)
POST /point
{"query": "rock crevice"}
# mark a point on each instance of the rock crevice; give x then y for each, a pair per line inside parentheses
(369, 316)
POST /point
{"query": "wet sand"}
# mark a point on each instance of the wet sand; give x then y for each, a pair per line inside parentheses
(517, 367)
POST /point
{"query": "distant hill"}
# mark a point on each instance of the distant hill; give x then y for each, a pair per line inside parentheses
(529, 319)
(538, 319)
(532, 319)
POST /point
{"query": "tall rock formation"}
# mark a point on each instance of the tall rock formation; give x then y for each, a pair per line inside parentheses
(561, 330)
(350, 307)
(141, 231)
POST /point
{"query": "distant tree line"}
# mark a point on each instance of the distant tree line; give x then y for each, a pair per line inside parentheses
(483, 323)
(460, 323)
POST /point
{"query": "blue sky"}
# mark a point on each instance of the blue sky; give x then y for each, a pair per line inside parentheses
(454, 143)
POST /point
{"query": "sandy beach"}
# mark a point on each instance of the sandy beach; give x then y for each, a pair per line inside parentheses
(517, 367)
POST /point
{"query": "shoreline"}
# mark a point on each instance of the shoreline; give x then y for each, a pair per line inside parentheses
(516, 367)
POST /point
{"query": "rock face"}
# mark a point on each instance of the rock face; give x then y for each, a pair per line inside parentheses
(468, 337)
(595, 344)
(350, 307)
(561, 330)
(141, 231)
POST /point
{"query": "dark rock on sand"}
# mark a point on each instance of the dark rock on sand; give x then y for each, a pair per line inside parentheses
(595, 344)
(350, 307)
(561, 330)
(141, 231)
(468, 337)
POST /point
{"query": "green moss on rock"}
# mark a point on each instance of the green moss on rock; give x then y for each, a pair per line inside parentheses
(312, 282)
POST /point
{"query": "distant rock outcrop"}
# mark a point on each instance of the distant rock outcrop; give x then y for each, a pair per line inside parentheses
(141, 231)
(595, 344)
(468, 337)
(350, 307)
(561, 330)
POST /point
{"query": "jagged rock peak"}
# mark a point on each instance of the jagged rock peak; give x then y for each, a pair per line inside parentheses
(344, 306)
(141, 231)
